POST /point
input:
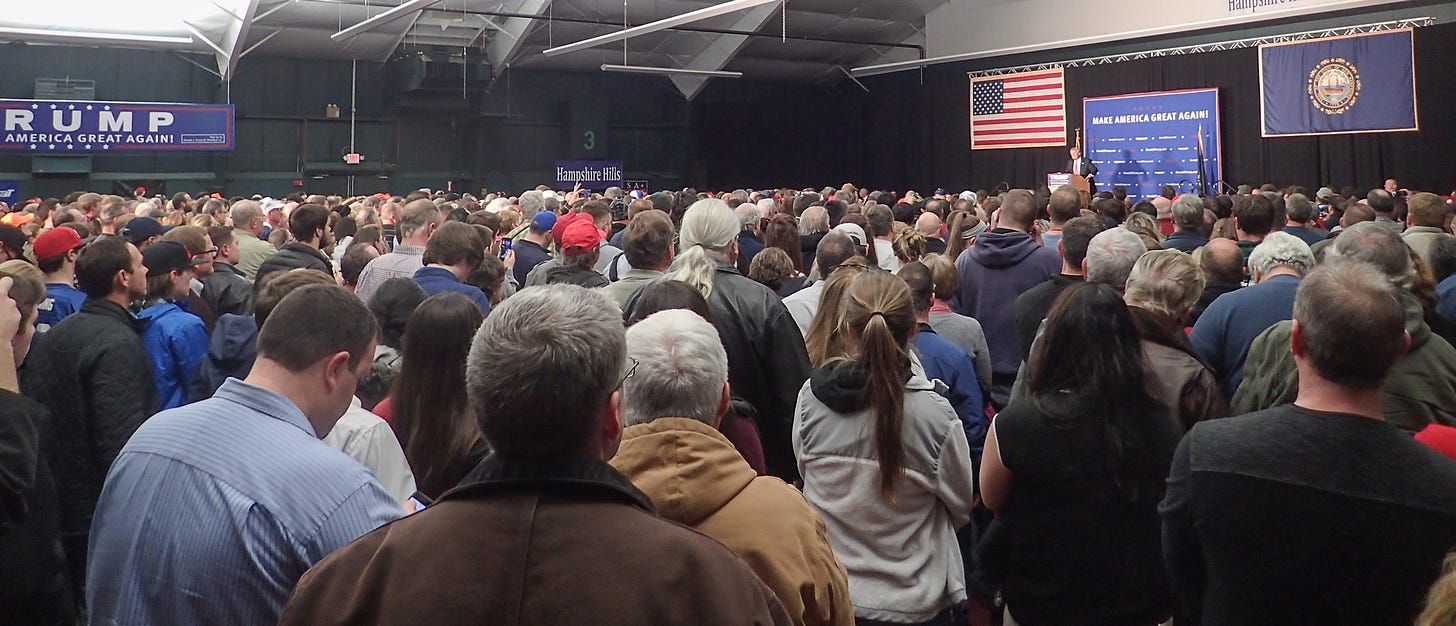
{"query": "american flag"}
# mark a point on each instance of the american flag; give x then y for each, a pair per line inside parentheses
(1026, 110)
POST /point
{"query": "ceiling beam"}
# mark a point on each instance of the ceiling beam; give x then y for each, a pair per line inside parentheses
(235, 38)
(502, 50)
(408, 7)
(716, 56)
(722, 8)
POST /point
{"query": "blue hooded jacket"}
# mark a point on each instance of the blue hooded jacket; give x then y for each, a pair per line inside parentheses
(948, 363)
(176, 342)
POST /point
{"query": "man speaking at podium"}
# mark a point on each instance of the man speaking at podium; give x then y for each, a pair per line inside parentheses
(1084, 167)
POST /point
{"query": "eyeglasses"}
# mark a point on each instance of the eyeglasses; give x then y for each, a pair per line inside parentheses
(211, 254)
(630, 371)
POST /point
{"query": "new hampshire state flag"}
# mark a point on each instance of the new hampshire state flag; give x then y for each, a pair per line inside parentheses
(1354, 84)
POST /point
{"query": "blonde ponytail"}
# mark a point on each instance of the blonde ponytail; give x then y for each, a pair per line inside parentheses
(706, 237)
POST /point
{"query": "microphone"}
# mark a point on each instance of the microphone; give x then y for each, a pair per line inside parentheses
(1189, 183)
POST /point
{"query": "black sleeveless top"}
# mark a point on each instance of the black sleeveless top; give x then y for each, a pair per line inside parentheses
(1079, 553)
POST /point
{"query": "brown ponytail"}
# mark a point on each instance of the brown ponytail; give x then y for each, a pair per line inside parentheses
(879, 314)
(825, 339)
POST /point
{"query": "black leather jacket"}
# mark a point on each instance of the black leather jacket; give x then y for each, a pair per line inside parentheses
(767, 362)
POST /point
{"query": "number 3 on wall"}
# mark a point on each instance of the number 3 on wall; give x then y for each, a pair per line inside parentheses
(589, 140)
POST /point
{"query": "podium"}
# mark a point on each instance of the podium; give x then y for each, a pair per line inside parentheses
(1077, 181)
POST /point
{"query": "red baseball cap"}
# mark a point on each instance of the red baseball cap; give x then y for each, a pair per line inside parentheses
(55, 242)
(558, 229)
(580, 237)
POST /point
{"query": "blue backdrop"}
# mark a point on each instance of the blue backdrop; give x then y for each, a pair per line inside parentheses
(1356, 84)
(1144, 141)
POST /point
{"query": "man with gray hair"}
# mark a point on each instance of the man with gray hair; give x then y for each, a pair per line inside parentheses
(1226, 329)
(417, 222)
(673, 405)
(1111, 255)
(531, 203)
(543, 517)
(813, 224)
(1188, 221)
(749, 241)
(833, 250)
(1161, 291)
(248, 222)
(1299, 215)
(1420, 390)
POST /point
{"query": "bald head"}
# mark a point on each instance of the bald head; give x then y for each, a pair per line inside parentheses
(416, 220)
(928, 225)
(1221, 262)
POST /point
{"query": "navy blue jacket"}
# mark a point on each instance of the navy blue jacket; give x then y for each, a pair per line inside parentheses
(1185, 240)
(438, 280)
(230, 354)
(948, 363)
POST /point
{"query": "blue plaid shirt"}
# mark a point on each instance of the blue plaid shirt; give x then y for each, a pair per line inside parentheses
(213, 511)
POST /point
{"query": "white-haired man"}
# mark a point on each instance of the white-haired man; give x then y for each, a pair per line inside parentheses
(1227, 327)
(1111, 255)
(673, 404)
(749, 241)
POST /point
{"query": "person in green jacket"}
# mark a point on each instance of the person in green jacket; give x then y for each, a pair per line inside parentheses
(1421, 388)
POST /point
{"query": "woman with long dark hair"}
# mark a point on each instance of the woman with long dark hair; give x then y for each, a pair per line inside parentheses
(782, 232)
(1075, 471)
(431, 413)
(886, 463)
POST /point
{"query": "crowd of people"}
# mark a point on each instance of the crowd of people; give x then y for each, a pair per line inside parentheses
(836, 406)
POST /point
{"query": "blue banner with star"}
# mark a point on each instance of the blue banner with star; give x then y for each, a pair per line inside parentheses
(91, 126)
(1339, 85)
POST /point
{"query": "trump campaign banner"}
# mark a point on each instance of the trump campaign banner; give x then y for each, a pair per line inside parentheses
(90, 126)
(1144, 141)
(1339, 85)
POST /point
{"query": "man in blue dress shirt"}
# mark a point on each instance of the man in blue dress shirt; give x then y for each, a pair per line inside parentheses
(213, 511)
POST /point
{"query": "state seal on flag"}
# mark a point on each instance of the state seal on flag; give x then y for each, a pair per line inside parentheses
(1334, 85)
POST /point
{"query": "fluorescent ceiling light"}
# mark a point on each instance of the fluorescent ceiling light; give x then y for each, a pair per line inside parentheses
(669, 71)
(662, 24)
(72, 34)
(383, 18)
(148, 17)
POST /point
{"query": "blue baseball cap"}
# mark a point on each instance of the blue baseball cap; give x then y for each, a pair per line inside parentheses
(543, 222)
(143, 228)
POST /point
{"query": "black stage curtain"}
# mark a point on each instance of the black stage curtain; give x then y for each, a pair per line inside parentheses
(913, 131)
